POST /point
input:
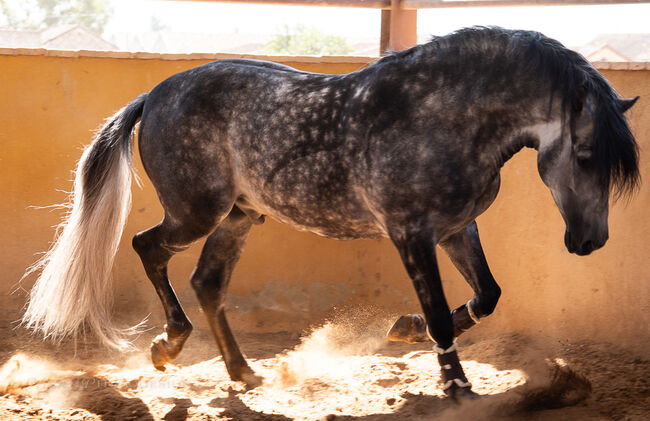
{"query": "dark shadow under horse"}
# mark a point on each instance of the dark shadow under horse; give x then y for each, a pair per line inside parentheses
(409, 148)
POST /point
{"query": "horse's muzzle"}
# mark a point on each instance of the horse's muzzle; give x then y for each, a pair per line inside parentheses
(582, 246)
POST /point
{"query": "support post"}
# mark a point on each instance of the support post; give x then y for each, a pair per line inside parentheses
(398, 28)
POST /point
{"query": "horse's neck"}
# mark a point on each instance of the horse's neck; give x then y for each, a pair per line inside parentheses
(540, 136)
(533, 121)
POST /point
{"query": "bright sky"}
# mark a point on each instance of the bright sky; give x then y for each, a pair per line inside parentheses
(572, 25)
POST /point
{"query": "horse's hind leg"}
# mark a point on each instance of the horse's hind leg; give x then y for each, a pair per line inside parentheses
(155, 247)
(210, 280)
(465, 251)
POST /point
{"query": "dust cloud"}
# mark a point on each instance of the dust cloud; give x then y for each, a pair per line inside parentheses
(343, 369)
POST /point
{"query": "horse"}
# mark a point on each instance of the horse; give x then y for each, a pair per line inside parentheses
(408, 148)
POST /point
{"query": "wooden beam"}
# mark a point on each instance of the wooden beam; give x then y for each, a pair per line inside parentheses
(398, 28)
(428, 4)
(368, 4)
(403, 27)
(384, 37)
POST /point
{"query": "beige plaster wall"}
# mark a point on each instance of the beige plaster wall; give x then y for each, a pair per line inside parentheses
(50, 105)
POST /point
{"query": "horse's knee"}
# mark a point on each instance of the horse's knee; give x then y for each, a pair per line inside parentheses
(487, 302)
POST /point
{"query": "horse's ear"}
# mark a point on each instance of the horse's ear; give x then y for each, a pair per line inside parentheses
(626, 104)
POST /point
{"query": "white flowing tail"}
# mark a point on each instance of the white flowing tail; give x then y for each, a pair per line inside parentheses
(74, 290)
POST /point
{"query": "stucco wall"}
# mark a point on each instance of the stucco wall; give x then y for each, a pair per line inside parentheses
(50, 105)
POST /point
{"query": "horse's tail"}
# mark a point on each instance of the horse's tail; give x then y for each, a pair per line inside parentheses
(74, 292)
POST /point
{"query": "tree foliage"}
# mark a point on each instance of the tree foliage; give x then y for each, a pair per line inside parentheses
(39, 14)
(307, 41)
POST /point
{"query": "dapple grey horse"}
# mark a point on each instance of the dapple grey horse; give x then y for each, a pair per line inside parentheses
(409, 148)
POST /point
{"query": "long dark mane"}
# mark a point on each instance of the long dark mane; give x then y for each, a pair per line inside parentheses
(615, 151)
(564, 72)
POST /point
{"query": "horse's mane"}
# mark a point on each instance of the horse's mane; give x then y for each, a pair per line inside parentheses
(566, 73)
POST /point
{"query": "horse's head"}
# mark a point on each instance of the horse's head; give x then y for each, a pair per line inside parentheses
(593, 154)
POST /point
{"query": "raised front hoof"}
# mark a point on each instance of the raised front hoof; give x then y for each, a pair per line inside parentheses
(461, 394)
(247, 376)
(411, 328)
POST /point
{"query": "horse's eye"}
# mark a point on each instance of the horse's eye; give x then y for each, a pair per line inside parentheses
(577, 106)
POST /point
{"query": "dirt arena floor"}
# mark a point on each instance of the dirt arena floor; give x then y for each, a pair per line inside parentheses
(343, 369)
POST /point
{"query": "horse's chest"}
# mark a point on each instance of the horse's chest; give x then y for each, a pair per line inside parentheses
(472, 209)
(489, 195)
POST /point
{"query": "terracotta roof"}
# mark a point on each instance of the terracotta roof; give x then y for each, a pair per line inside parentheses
(633, 47)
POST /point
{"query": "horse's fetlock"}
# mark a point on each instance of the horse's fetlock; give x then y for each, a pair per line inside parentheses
(462, 319)
(178, 328)
(487, 302)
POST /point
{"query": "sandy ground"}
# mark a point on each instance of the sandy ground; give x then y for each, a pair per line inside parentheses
(341, 370)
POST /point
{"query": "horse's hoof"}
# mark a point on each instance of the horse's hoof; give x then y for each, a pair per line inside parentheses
(411, 328)
(461, 394)
(161, 352)
(247, 376)
(252, 380)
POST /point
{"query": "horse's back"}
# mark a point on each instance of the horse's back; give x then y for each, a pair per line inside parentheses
(266, 132)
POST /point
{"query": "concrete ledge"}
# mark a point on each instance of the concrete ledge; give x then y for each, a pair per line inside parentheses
(193, 56)
(603, 65)
(627, 65)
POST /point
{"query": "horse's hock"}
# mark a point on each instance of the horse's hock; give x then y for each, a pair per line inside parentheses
(287, 280)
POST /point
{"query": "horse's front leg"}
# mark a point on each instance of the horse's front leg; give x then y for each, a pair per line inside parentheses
(465, 251)
(417, 249)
